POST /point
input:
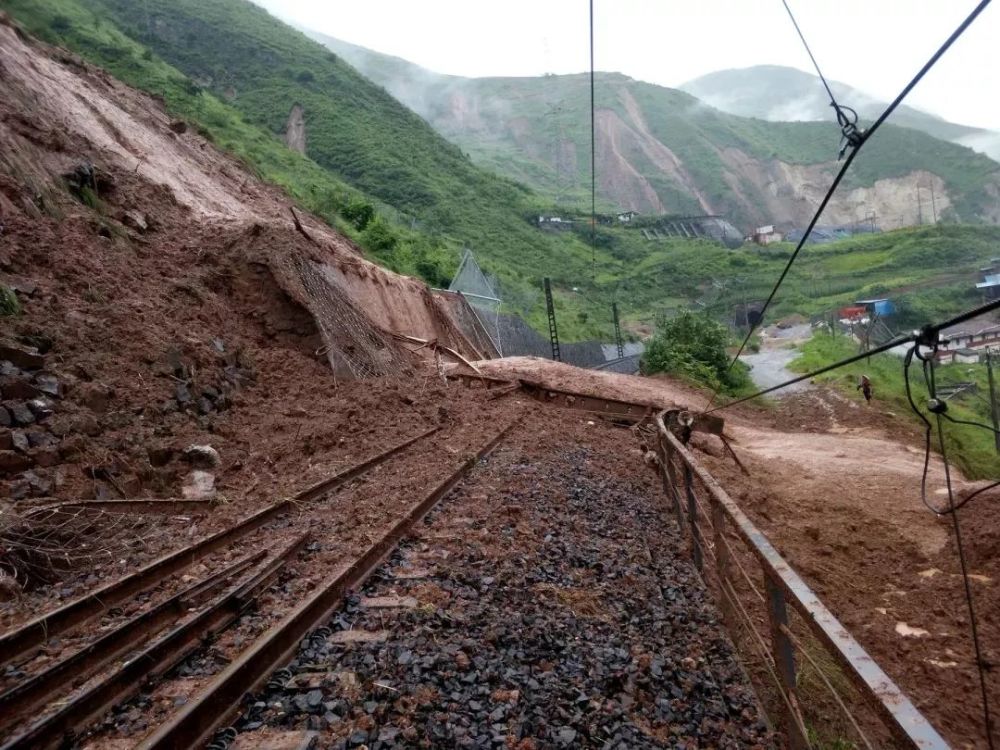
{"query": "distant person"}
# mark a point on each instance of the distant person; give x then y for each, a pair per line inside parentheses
(865, 386)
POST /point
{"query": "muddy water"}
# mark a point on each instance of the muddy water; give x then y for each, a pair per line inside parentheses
(769, 366)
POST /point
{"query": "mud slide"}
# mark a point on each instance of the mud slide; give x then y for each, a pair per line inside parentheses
(59, 112)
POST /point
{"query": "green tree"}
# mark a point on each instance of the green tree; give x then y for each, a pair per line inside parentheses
(379, 238)
(693, 346)
(359, 212)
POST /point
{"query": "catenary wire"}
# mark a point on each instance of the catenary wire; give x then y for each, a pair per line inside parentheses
(840, 175)
(847, 118)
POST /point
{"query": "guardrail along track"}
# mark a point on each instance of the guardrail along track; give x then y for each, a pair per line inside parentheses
(199, 719)
(18, 644)
(784, 592)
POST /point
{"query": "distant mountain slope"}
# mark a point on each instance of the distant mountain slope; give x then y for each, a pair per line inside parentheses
(778, 93)
(662, 150)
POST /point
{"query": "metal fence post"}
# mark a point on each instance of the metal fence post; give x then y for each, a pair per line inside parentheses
(721, 558)
(784, 659)
(670, 478)
(693, 517)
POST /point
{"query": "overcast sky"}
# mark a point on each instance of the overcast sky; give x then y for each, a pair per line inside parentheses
(874, 45)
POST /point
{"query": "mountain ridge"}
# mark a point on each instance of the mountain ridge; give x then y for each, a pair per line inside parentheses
(663, 150)
(780, 93)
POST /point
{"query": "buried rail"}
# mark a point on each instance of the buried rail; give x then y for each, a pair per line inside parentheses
(199, 719)
(17, 644)
(61, 728)
(783, 589)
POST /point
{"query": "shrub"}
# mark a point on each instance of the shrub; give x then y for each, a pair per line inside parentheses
(359, 212)
(693, 346)
(379, 238)
(9, 304)
(60, 24)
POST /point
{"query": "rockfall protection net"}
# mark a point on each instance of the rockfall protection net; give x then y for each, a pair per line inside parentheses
(480, 292)
(354, 346)
(43, 544)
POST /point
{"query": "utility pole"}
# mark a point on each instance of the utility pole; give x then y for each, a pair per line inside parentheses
(933, 204)
(618, 331)
(553, 332)
(994, 406)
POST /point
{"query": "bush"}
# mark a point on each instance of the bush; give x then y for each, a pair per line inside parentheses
(430, 270)
(693, 346)
(359, 212)
(60, 24)
(379, 238)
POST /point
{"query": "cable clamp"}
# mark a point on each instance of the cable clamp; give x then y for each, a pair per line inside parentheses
(936, 406)
(851, 135)
(929, 336)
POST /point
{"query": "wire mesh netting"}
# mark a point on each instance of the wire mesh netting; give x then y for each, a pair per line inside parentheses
(42, 545)
(481, 293)
(353, 345)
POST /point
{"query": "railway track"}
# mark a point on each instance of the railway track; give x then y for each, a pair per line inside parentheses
(525, 612)
(299, 543)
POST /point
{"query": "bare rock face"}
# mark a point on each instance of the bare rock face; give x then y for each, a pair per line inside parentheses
(295, 130)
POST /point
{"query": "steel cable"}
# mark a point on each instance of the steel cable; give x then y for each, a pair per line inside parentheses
(864, 136)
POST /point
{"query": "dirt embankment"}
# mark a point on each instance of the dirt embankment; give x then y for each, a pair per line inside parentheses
(170, 301)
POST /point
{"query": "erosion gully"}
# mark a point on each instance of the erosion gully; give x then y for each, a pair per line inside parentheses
(546, 602)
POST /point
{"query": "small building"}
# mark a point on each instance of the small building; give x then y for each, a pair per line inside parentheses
(766, 235)
(626, 217)
(853, 315)
(554, 222)
(958, 356)
(971, 336)
(990, 286)
(882, 307)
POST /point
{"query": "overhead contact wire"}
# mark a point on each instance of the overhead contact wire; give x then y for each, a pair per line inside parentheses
(863, 138)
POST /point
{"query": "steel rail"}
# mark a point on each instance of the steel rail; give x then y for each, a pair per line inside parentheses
(59, 728)
(73, 670)
(17, 644)
(903, 719)
(200, 718)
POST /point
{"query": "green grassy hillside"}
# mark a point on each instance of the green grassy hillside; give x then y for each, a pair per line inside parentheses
(972, 448)
(929, 271)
